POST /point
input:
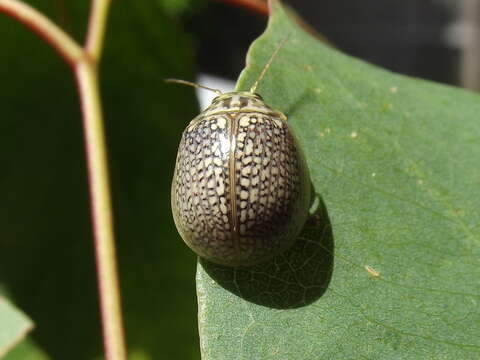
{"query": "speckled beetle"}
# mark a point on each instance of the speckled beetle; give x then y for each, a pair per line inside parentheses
(241, 189)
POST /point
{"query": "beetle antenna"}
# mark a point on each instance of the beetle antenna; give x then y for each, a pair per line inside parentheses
(195, 85)
(264, 71)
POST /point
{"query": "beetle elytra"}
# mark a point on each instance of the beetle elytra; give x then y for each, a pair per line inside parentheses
(241, 188)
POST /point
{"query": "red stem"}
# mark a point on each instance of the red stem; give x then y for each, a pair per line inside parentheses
(257, 6)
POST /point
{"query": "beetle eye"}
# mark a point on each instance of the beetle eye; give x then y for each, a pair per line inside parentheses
(258, 96)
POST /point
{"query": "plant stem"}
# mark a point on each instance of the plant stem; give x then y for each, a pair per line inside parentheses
(96, 27)
(258, 6)
(100, 198)
(84, 62)
(44, 27)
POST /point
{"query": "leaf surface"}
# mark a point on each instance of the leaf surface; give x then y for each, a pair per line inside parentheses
(391, 268)
(14, 326)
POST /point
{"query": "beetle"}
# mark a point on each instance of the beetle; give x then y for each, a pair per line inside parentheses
(241, 187)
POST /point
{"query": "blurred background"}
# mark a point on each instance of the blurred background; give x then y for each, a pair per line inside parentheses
(432, 39)
(46, 254)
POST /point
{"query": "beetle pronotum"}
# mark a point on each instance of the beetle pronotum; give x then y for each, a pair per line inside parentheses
(241, 189)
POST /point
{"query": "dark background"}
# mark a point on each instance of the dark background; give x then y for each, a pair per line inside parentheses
(423, 38)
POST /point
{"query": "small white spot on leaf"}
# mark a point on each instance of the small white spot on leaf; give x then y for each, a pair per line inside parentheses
(372, 271)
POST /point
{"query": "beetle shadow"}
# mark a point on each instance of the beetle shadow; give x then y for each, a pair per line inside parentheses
(293, 279)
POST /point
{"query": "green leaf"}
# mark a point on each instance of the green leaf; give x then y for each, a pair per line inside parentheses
(14, 326)
(27, 349)
(394, 160)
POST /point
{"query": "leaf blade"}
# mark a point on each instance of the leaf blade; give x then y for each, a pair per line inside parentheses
(393, 159)
(15, 326)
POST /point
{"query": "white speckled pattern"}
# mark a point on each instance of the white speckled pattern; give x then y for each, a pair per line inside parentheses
(241, 189)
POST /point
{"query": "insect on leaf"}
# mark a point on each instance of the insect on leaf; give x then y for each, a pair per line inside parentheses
(394, 163)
